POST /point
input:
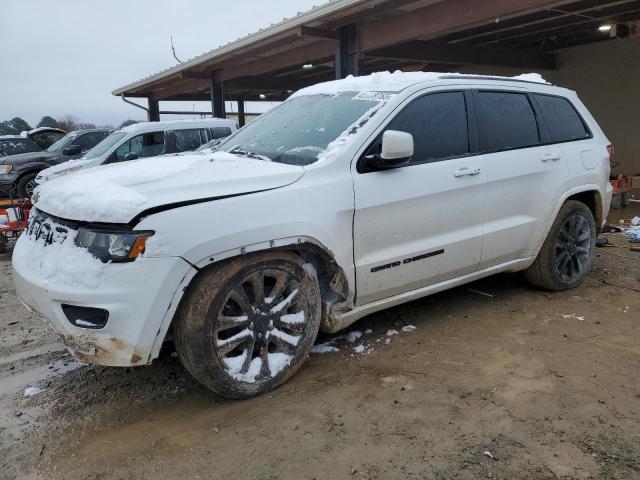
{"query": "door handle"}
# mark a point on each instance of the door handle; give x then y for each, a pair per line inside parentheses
(550, 157)
(466, 171)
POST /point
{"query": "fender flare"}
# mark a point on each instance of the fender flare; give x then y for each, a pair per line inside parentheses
(214, 258)
(589, 187)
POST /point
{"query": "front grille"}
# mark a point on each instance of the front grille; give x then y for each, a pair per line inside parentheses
(48, 228)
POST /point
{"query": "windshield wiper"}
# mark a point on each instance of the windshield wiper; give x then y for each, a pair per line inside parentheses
(248, 154)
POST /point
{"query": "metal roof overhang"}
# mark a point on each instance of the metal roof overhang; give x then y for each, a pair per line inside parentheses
(404, 34)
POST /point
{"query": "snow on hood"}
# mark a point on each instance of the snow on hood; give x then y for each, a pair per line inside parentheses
(393, 82)
(116, 193)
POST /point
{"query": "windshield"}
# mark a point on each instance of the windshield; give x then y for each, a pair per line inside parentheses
(104, 145)
(300, 129)
(210, 145)
(60, 144)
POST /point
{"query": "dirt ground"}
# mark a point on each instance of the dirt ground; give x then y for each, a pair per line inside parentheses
(498, 380)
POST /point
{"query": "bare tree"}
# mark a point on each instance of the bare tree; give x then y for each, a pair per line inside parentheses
(68, 122)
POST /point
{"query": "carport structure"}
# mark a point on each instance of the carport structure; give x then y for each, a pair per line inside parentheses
(356, 37)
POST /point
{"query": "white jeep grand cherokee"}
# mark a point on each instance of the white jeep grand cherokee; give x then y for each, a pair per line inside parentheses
(348, 198)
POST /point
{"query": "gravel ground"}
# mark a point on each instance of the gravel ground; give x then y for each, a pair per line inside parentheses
(497, 380)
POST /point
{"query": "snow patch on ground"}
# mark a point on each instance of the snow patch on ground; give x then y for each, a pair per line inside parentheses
(363, 348)
(324, 348)
(32, 391)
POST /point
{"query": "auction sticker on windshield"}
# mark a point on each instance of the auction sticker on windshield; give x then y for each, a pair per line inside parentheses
(374, 96)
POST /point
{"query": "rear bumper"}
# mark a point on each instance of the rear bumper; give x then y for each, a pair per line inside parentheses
(606, 204)
(137, 296)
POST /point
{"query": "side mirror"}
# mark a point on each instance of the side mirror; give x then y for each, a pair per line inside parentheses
(72, 150)
(130, 156)
(396, 151)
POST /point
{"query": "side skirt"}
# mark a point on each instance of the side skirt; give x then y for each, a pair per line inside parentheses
(345, 319)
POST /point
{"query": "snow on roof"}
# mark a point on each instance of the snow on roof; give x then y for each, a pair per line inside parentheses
(203, 122)
(397, 81)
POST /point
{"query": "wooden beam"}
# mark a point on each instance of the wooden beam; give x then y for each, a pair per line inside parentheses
(179, 87)
(304, 31)
(443, 18)
(190, 75)
(216, 90)
(438, 52)
(241, 114)
(153, 114)
(295, 56)
(346, 56)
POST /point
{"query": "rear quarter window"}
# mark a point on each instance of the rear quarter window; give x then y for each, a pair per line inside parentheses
(187, 140)
(14, 146)
(562, 120)
(506, 121)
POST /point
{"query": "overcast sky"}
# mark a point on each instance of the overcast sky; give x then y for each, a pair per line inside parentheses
(66, 56)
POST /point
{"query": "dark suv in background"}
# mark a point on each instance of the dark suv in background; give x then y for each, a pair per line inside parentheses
(18, 172)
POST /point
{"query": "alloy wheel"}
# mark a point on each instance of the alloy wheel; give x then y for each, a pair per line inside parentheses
(573, 248)
(257, 330)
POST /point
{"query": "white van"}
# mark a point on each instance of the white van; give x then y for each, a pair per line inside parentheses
(350, 197)
(147, 139)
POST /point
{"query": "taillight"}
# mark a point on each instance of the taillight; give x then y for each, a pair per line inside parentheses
(612, 155)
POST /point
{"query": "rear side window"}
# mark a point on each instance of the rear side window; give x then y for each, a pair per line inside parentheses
(191, 139)
(438, 123)
(89, 140)
(145, 145)
(506, 121)
(562, 120)
(219, 132)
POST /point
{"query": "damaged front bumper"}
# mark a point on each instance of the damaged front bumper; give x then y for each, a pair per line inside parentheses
(137, 295)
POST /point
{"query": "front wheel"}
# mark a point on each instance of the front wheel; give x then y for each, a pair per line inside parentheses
(567, 254)
(248, 324)
(26, 185)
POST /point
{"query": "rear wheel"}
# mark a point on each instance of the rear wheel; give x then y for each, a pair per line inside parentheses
(26, 185)
(567, 254)
(247, 325)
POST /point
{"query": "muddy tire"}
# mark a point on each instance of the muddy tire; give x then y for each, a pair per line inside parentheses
(567, 254)
(248, 324)
(26, 184)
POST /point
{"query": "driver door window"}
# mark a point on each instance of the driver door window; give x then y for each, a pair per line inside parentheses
(88, 140)
(145, 145)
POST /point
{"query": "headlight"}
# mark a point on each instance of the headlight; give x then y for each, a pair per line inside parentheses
(112, 246)
(4, 169)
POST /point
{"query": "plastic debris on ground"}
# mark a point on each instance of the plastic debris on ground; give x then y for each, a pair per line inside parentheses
(632, 229)
(580, 318)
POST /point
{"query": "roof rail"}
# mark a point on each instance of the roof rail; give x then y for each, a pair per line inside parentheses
(486, 77)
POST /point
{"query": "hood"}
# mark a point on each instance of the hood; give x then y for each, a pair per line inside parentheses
(21, 158)
(117, 193)
(62, 167)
